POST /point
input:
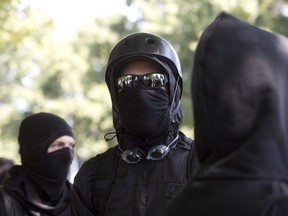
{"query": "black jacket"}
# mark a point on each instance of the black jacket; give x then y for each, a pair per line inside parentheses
(104, 187)
(11, 207)
(240, 102)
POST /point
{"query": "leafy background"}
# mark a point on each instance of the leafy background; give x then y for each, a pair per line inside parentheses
(41, 70)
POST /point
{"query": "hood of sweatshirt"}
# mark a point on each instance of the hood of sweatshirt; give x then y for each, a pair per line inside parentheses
(240, 101)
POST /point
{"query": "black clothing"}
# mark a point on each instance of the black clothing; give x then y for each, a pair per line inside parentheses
(40, 184)
(240, 101)
(5, 165)
(11, 207)
(144, 118)
(144, 114)
(140, 189)
(37, 132)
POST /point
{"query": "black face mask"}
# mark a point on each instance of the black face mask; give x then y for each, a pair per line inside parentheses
(144, 114)
(50, 171)
(54, 165)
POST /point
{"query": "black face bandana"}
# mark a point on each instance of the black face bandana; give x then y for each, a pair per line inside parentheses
(50, 172)
(144, 114)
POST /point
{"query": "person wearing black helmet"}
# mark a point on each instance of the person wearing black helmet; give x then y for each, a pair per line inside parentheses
(153, 159)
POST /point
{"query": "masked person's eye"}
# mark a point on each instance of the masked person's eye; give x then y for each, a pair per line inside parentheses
(151, 80)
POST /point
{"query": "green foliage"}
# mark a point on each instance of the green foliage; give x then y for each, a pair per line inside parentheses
(42, 72)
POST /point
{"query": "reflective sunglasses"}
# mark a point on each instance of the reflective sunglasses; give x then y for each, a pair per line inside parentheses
(152, 80)
(134, 156)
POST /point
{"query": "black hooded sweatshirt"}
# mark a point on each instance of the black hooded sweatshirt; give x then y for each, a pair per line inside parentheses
(240, 102)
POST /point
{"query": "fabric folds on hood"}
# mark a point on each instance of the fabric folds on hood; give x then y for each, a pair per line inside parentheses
(240, 104)
(240, 101)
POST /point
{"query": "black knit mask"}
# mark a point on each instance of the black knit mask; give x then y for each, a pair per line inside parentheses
(53, 166)
(144, 114)
(47, 170)
(37, 132)
(50, 171)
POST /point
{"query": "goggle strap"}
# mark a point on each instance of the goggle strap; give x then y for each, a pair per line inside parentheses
(110, 136)
(173, 141)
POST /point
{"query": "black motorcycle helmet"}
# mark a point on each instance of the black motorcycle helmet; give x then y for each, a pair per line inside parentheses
(148, 46)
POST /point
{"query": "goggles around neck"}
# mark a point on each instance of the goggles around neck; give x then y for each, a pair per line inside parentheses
(134, 156)
(151, 80)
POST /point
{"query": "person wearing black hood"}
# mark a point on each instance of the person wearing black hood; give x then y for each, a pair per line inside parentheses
(240, 105)
(39, 186)
(153, 159)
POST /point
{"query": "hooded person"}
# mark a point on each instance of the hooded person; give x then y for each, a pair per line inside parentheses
(153, 159)
(39, 186)
(240, 104)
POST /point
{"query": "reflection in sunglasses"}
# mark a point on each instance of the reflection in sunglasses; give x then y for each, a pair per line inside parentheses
(152, 80)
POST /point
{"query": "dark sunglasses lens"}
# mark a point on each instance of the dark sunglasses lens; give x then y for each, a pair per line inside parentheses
(125, 81)
(155, 80)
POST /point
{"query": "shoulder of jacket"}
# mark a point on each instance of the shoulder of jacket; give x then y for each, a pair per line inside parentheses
(185, 142)
(93, 162)
(90, 167)
(8, 205)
